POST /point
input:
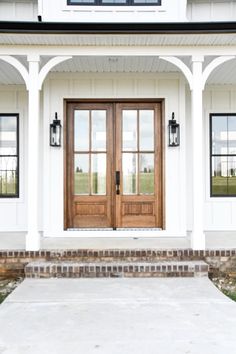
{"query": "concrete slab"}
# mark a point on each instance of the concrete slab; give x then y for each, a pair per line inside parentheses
(117, 316)
(214, 240)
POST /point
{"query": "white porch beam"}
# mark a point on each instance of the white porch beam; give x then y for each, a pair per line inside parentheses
(197, 236)
(114, 50)
(33, 236)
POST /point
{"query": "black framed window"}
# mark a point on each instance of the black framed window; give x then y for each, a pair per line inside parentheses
(223, 155)
(9, 155)
(115, 2)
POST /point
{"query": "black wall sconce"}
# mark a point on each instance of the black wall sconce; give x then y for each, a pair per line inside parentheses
(55, 132)
(174, 132)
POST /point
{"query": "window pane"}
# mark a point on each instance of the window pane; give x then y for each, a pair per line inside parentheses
(81, 174)
(219, 175)
(232, 175)
(8, 135)
(75, 2)
(232, 135)
(129, 130)
(114, 2)
(154, 2)
(81, 131)
(146, 174)
(8, 175)
(129, 168)
(146, 130)
(99, 130)
(219, 134)
(98, 171)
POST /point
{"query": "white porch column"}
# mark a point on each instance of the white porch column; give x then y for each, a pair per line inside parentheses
(198, 236)
(33, 236)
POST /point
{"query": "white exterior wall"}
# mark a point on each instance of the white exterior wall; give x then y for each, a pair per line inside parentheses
(219, 211)
(169, 11)
(211, 10)
(13, 212)
(18, 10)
(60, 86)
(174, 10)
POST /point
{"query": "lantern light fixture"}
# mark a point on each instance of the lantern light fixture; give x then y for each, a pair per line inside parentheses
(174, 132)
(55, 132)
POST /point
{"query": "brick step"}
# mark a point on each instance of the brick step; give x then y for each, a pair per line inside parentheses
(70, 269)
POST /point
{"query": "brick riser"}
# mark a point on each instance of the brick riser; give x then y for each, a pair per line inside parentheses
(114, 269)
(13, 262)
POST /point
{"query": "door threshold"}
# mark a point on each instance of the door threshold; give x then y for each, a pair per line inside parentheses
(116, 229)
(91, 229)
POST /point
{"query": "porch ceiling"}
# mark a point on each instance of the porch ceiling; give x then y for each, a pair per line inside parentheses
(225, 74)
(212, 39)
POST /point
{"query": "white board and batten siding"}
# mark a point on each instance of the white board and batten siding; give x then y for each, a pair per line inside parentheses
(18, 10)
(168, 11)
(211, 10)
(219, 211)
(13, 211)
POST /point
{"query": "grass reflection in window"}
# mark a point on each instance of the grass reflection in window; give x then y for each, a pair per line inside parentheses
(223, 155)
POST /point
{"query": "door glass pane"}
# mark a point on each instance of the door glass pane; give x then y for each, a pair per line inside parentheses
(146, 130)
(8, 131)
(81, 174)
(219, 175)
(129, 130)
(98, 173)
(99, 130)
(81, 131)
(232, 134)
(219, 135)
(146, 174)
(8, 175)
(129, 168)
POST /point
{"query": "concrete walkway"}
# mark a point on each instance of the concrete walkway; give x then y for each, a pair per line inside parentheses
(117, 316)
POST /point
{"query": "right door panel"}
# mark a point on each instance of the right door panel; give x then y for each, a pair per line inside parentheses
(138, 151)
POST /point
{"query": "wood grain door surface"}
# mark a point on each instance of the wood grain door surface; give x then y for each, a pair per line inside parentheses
(113, 165)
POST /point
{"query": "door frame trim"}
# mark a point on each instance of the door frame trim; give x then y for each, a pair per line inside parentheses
(67, 101)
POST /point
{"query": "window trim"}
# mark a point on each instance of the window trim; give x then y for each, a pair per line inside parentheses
(17, 194)
(212, 155)
(100, 3)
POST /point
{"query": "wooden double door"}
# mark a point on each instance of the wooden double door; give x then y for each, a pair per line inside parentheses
(113, 165)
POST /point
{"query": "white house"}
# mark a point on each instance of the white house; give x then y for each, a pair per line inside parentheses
(116, 72)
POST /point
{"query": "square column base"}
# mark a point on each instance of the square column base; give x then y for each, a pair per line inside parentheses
(198, 240)
(32, 241)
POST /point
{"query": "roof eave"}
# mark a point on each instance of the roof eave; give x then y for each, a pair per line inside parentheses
(117, 28)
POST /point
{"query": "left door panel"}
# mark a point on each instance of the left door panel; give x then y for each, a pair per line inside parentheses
(89, 152)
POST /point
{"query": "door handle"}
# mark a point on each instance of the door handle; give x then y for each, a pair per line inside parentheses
(118, 182)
